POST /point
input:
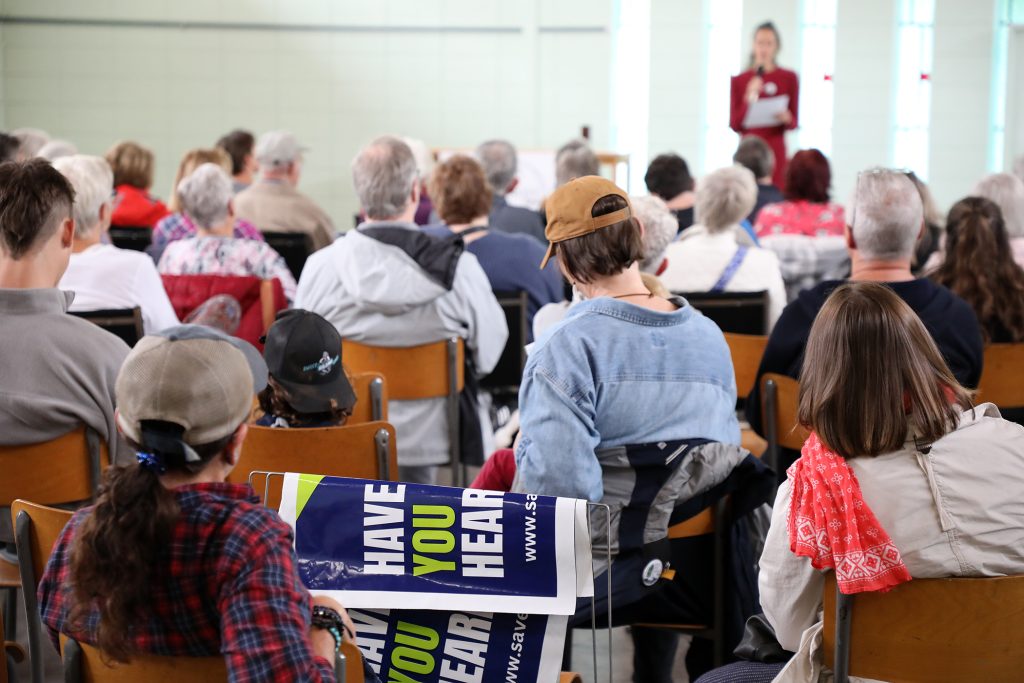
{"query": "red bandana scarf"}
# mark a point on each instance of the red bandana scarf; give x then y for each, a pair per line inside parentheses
(830, 523)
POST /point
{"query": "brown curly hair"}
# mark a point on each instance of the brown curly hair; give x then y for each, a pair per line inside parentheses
(979, 267)
(459, 190)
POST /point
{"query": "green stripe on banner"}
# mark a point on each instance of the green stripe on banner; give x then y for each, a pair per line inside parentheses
(307, 484)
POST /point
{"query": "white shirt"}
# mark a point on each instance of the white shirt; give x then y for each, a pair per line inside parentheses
(698, 258)
(104, 276)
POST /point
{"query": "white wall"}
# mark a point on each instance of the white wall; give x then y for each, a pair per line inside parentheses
(531, 71)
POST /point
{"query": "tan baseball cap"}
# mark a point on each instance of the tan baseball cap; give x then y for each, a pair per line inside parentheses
(190, 375)
(569, 210)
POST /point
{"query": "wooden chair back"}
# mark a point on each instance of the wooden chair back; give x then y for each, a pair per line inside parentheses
(738, 312)
(746, 351)
(36, 529)
(371, 398)
(125, 323)
(569, 677)
(1000, 377)
(929, 630)
(73, 465)
(84, 664)
(361, 451)
(412, 372)
(780, 400)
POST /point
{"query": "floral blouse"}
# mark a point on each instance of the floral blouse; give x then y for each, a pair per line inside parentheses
(800, 218)
(226, 256)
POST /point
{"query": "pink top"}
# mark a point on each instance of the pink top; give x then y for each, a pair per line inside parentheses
(800, 218)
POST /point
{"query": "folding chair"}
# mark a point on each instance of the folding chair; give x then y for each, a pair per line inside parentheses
(125, 323)
(508, 373)
(36, 529)
(84, 664)
(738, 312)
(134, 238)
(362, 451)
(746, 351)
(711, 520)
(371, 398)
(927, 630)
(569, 677)
(294, 248)
(74, 464)
(1000, 377)
(780, 404)
(434, 370)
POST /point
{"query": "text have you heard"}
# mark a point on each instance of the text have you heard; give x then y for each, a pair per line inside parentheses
(433, 541)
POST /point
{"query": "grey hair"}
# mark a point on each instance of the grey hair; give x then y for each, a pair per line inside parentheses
(384, 173)
(30, 141)
(55, 149)
(885, 215)
(660, 228)
(498, 158)
(93, 182)
(574, 160)
(725, 197)
(1007, 192)
(205, 194)
(755, 154)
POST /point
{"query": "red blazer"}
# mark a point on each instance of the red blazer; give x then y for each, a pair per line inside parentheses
(778, 82)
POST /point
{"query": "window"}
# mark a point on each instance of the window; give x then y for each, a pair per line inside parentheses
(631, 81)
(817, 64)
(723, 59)
(915, 39)
(1008, 12)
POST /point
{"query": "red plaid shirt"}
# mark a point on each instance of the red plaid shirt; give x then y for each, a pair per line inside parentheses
(226, 585)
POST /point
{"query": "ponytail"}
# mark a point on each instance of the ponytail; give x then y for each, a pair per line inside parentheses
(119, 545)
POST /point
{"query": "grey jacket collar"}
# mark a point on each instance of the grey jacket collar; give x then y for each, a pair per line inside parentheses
(27, 301)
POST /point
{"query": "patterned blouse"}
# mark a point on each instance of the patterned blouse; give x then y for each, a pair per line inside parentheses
(226, 256)
(178, 226)
(800, 218)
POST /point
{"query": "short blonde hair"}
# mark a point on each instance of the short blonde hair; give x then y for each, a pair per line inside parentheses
(132, 164)
(193, 159)
(725, 197)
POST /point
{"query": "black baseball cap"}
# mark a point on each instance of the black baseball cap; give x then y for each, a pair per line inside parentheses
(303, 355)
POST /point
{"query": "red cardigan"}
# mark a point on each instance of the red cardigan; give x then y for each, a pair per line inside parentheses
(778, 82)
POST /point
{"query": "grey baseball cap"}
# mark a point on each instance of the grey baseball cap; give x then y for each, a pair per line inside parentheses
(278, 148)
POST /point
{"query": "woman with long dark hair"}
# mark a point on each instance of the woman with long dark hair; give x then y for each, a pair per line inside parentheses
(765, 78)
(171, 560)
(980, 269)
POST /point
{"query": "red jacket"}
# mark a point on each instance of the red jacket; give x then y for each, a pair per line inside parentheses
(135, 208)
(187, 292)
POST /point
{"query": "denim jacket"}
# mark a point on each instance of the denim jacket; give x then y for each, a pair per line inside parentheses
(614, 374)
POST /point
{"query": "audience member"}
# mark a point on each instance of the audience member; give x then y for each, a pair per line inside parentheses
(206, 197)
(934, 479)
(58, 370)
(707, 258)
(390, 284)
(55, 149)
(273, 203)
(30, 141)
(463, 199)
(806, 230)
(886, 219)
(575, 159)
(588, 383)
(668, 177)
(930, 241)
(979, 267)
(1007, 192)
(500, 163)
(8, 147)
(177, 225)
(134, 207)
(659, 230)
(239, 146)
(101, 275)
(806, 209)
(755, 155)
(425, 162)
(307, 385)
(172, 560)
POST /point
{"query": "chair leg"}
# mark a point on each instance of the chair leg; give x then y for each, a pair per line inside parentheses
(718, 598)
(11, 613)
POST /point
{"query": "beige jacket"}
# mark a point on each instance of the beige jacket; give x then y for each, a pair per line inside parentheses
(278, 207)
(956, 511)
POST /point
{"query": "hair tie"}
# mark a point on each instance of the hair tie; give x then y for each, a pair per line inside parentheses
(151, 461)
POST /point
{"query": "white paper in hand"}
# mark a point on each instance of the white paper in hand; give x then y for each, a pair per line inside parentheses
(762, 114)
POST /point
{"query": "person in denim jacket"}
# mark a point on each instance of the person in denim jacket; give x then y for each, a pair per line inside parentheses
(623, 367)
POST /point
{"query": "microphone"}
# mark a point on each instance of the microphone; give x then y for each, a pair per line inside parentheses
(760, 72)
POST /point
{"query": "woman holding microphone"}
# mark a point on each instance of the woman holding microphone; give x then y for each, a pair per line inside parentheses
(766, 79)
